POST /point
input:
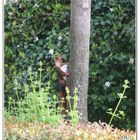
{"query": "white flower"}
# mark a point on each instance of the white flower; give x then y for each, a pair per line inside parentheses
(36, 39)
(107, 84)
(36, 5)
(18, 46)
(111, 9)
(131, 61)
(10, 13)
(60, 38)
(51, 51)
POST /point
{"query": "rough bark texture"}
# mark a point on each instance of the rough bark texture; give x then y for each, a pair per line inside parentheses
(79, 52)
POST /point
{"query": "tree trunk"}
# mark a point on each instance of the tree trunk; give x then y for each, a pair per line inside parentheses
(79, 52)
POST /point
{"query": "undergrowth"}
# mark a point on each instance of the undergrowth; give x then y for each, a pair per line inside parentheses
(38, 116)
(39, 104)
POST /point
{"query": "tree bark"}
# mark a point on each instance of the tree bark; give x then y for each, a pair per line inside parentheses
(79, 52)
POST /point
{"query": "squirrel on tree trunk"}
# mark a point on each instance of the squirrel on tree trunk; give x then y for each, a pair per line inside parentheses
(62, 71)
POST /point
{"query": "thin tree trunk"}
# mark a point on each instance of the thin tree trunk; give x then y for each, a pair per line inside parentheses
(79, 52)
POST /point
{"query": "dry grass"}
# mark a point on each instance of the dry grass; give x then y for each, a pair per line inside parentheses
(65, 131)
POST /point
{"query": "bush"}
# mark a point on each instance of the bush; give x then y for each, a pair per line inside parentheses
(112, 59)
(31, 31)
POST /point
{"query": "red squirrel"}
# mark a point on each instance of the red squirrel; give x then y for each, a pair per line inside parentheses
(62, 70)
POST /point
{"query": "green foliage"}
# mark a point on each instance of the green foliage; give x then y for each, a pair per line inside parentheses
(39, 104)
(33, 28)
(112, 56)
(120, 113)
(73, 113)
